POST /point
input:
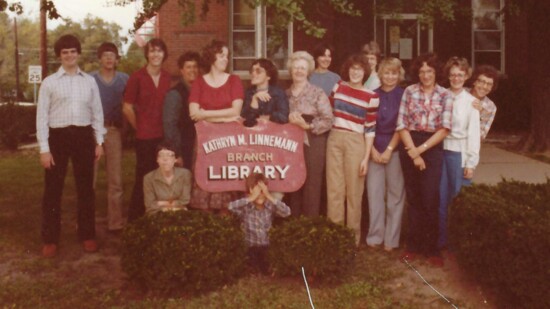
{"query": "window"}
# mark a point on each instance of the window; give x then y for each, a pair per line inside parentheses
(252, 37)
(488, 33)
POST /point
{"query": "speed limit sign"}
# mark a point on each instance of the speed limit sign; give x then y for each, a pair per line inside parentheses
(35, 74)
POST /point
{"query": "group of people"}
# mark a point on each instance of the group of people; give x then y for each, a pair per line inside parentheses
(362, 130)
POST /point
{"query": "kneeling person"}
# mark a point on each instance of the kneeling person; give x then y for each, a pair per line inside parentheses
(256, 212)
(168, 187)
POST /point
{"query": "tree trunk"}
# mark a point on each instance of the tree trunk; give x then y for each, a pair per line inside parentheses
(539, 76)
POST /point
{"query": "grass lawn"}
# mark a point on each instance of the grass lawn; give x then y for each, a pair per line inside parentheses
(77, 280)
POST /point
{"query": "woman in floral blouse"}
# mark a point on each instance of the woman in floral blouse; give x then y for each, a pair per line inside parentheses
(310, 110)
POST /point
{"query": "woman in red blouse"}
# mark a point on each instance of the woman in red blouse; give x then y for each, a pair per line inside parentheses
(216, 96)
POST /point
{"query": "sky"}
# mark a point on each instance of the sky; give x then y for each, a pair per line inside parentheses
(78, 9)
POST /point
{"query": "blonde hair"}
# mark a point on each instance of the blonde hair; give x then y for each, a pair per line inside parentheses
(301, 55)
(391, 63)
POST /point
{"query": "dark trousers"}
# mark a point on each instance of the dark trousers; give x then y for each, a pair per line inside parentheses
(146, 161)
(257, 258)
(307, 200)
(78, 145)
(422, 190)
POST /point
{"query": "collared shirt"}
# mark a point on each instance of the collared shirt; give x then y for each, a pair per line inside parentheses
(111, 95)
(419, 112)
(386, 121)
(68, 100)
(464, 136)
(354, 109)
(487, 115)
(147, 100)
(155, 188)
(257, 222)
(312, 101)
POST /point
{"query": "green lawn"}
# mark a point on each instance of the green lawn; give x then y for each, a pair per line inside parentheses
(77, 280)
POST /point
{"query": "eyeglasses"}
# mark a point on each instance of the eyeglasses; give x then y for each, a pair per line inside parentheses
(458, 75)
(166, 155)
(484, 82)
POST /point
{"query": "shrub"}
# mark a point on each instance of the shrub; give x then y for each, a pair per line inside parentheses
(324, 249)
(183, 251)
(501, 236)
(17, 123)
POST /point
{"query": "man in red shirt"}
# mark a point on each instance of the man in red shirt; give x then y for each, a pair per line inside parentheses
(143, 104)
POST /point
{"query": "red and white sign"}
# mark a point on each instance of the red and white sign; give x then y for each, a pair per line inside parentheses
(228, 152)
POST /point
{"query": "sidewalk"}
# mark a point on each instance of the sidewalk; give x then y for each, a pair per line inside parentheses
(496, 163)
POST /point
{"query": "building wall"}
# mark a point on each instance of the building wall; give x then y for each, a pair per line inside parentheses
(192, 37)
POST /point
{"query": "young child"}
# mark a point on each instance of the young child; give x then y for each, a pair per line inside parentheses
(256, 212)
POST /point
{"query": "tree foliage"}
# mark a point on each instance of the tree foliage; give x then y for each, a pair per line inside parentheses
(92, 31)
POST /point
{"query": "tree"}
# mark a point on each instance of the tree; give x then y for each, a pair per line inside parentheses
(91, 32)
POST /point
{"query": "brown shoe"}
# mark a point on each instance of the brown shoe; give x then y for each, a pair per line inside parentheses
(49, 250)
(90, 245)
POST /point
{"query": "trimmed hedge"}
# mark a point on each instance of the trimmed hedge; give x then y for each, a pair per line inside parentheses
(325, 249)
(183, 251)
(17, 124)
(502, 238)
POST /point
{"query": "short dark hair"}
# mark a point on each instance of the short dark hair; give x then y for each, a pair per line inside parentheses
(253, 179)
(156, 42)
(66, 41)
(270, 69)
(209, 52)
(320, 50)
(431, 60)
(489, 71)
(356, 59)
(188, 56)
(165, 146)
(107, 47)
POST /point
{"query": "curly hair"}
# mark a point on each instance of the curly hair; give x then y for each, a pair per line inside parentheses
(270, 69)
(431, 60)
(301, 55)
(356, 59)
(487, 70)
(188, 56)
(209, 52)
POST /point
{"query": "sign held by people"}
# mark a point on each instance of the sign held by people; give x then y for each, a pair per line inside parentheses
(228, 152)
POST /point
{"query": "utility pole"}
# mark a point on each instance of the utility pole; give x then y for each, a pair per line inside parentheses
(43, 39)
(17, 88)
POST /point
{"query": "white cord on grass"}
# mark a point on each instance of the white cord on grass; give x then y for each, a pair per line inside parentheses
(428, 284)
(307, 288)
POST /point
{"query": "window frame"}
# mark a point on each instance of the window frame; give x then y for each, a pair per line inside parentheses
(500, 31)
(260, 40)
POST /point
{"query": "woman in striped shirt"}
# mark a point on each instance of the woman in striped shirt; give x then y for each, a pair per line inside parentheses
(350, 142)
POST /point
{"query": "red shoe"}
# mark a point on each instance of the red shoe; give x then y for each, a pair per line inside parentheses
(90, 245)
(436, 261)
(409, 256)
(49, 250)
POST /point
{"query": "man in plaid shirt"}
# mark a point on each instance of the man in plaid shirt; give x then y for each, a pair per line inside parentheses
(256, 212)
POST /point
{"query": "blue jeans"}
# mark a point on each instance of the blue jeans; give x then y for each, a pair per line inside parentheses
(449, 187)
(422, 193)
